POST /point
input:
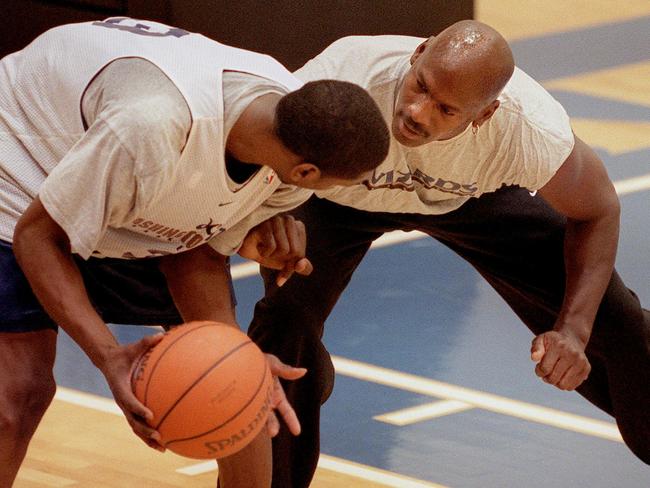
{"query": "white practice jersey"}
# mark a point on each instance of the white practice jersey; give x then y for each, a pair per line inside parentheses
(523, 143)
(139, 205)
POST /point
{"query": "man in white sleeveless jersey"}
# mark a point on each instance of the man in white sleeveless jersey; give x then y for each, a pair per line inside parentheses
(484, 160)
(134, 158)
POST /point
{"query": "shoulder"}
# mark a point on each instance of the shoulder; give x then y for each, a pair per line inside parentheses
(526, 103)
(140, 105)
(360, 59)
(376, 45)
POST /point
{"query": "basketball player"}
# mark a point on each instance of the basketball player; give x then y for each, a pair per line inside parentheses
(134, 157)
(484, 160)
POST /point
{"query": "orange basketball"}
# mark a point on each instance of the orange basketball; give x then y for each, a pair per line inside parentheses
(208, 386)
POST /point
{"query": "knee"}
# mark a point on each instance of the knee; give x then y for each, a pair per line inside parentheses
(24, 401)
(638, 444)
(285, 326)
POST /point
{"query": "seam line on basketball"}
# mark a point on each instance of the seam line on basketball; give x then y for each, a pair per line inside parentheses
(153, 370)
(199, 379)
(235, 415)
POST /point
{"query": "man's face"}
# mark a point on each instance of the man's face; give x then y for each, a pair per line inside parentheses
(433, 104)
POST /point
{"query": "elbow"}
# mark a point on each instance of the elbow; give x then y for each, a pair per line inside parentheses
(202, 257)
(613, 210)
(21, 243)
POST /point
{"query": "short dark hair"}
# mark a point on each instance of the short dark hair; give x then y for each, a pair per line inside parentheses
(334, 125)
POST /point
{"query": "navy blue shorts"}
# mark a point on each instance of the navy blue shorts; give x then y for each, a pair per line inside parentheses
(122, 291)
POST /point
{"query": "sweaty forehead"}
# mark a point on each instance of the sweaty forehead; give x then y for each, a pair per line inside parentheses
(463, 39)
(454, 83)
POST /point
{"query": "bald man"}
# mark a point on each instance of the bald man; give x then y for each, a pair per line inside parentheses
(484, 160)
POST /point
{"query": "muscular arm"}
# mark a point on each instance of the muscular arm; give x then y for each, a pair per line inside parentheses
(42, 250)
(583, 192)
(199, 282)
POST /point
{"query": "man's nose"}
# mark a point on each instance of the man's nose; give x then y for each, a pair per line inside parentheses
(421, 110)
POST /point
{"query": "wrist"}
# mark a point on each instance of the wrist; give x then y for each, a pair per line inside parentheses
(99, 348)
(577, 328)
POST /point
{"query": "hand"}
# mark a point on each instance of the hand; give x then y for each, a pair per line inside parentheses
(117, 370)
(278, 243)
(561, 360)
(279, 400)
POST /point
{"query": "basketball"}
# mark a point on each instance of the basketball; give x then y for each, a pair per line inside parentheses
(208, 386)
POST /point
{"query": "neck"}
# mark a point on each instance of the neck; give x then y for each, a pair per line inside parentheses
(252, 139)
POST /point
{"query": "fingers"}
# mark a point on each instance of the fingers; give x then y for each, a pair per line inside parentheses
(148, 434)
(287, 412)
(560, 362)
(149, 341)
(304, 267)
(574, 377)
(272, 424)
(266, 244)
(284, 371)
(139, 417)
(279, 400)
(537, 349)
(283, 232)
(285, 273)
(278, 243)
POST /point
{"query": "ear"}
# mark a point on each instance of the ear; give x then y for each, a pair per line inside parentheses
(304, 174)
(486, 113)
(419, 50)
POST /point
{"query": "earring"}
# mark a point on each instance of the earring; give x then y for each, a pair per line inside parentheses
(474, 129)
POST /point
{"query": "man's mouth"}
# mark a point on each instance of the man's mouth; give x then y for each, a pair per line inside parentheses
(407, 130)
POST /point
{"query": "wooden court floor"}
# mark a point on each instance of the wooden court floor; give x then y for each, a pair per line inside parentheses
(84, 442)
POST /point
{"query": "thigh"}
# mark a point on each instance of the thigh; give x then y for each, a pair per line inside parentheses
(20, 310)
(129, 291)
(516, 242)
(26, 361)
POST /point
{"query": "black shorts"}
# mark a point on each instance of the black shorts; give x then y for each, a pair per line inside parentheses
(122, 291)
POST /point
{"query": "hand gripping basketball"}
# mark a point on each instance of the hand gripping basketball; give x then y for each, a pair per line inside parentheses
(209, 387)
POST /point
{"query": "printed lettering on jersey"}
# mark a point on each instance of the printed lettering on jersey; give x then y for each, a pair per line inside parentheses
(141, 27)
(185, 239)
(395, 179)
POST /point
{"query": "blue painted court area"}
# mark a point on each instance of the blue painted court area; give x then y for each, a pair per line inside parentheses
(416, 308)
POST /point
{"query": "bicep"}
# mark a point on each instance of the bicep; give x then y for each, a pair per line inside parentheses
(581, 188)
(36, 222)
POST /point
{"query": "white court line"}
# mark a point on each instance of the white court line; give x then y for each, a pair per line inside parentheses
(486, 401)
(87, 400)
(338, 465)
(412, 415)
(385, 478)
(631, 185)
(369, 473)
(251, 268)
(623, 187)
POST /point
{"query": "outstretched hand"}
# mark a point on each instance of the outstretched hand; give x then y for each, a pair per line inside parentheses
(278, 243)
(279, 400)
(117, 370)
(561, 360)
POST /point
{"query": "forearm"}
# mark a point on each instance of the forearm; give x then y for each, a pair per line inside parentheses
(199, 282)
(55, 280)
(590, 253)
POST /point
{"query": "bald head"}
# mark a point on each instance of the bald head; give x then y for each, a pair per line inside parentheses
(475, 55)
(454, 80)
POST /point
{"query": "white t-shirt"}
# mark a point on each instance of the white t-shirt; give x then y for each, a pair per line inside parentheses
(523, 143)
(147, 177)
